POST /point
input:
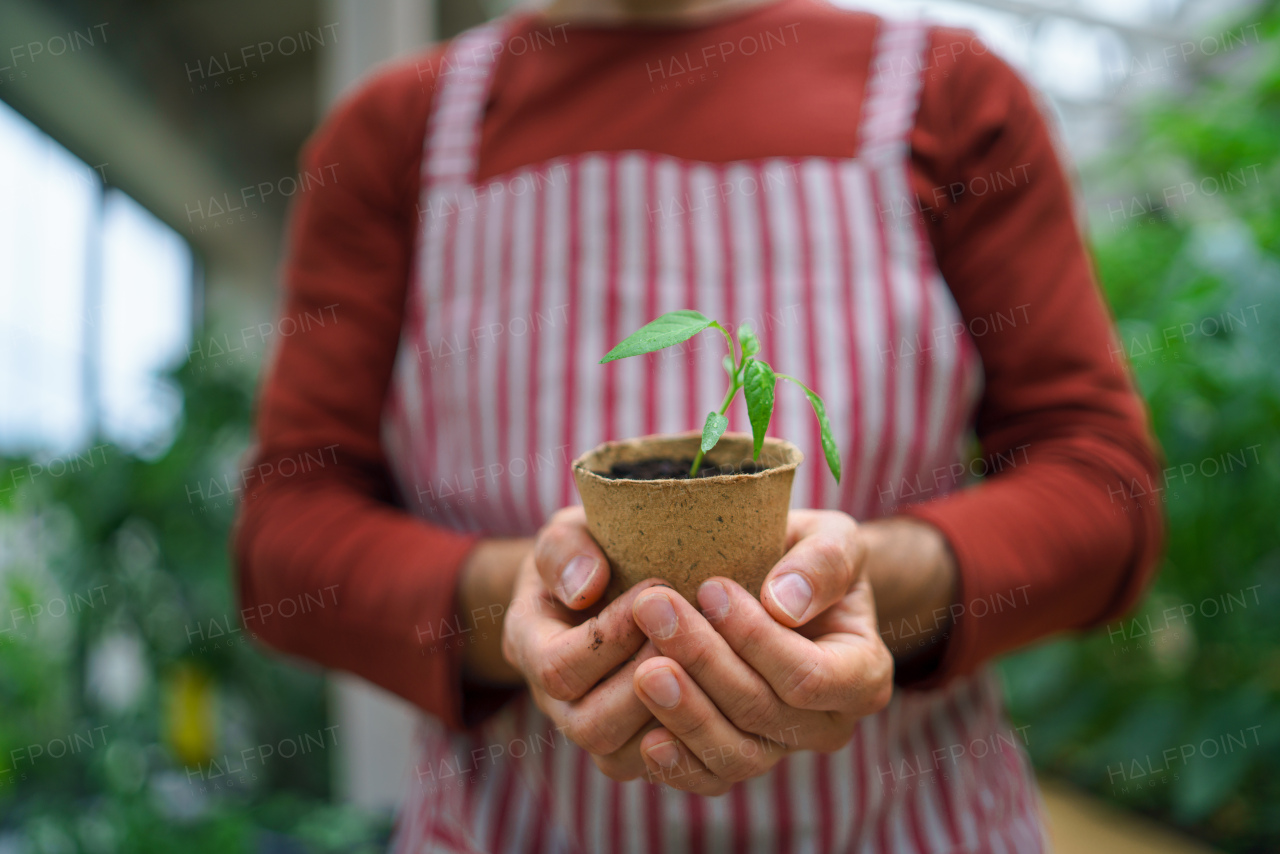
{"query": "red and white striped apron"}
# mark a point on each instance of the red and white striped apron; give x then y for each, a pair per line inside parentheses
(521, 285)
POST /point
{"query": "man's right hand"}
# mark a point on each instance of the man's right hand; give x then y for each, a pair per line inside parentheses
(579, 659)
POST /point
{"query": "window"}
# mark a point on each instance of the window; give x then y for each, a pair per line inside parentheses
(95, 304)
(1088, 56)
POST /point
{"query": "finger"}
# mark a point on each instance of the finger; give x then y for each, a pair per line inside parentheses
(569, 561)
(682, 707)
(566, 661)
(679, 632)
(668, 761)
(610, 715)
(822, 563)
(847, 670)
(627, 762)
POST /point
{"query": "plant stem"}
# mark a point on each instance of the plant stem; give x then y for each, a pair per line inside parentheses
(728, 339)
(734, 385)
(793, 379)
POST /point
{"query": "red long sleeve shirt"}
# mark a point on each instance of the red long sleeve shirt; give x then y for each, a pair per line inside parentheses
(1050, 532)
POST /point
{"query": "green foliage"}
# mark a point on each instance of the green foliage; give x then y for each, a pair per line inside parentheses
(713, 430)
(754, 377)
(758, 386)
(672, 328)
(829, 449)
(1194, 674)
(117, 561)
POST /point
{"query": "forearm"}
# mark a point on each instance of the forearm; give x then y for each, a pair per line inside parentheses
(913, 578)
(329, 573)
(484, 595)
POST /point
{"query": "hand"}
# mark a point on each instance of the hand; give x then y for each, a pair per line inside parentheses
(744, 682)
(578, 659)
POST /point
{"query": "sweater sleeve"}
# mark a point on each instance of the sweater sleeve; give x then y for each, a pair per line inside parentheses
(330, 569)
(1046, 541)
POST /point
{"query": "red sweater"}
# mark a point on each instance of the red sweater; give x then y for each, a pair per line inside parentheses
(1045, 543)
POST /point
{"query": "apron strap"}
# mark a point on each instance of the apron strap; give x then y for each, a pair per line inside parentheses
(893, 90)
(452, 146)
(453, 130)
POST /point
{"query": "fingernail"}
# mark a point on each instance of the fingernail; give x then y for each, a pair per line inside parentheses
(662, 687)
(657, 617)
(713, 599)
(576, 576)
(792, 593)
(666, 754)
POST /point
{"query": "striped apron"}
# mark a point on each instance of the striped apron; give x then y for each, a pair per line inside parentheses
(522, 283)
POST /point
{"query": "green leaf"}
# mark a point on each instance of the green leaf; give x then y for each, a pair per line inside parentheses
(758, 381)
(828, 439)
(671, 328)
(747, 338)
(727, 361)
(713, 430)
(829, 449)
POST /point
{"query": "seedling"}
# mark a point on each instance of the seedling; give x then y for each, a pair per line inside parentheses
(754, 377)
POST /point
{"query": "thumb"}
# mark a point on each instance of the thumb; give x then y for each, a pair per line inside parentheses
(818, 571)
(569, 561)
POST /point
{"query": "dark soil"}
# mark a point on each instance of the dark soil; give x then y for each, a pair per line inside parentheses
(665, 467)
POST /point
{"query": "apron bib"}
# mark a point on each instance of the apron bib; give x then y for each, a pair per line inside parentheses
(520, 286)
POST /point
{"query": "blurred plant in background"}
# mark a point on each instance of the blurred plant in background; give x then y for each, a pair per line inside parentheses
(138, 717)
(1175, 711)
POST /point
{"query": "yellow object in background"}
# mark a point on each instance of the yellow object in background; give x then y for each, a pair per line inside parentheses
(189, 726)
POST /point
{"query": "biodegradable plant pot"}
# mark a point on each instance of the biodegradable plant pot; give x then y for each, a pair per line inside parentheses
(686, 531)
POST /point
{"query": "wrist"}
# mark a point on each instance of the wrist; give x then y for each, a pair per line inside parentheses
(915, 579)
(488, 573)
(485, 585)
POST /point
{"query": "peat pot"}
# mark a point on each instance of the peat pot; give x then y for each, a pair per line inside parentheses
(686, 531)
